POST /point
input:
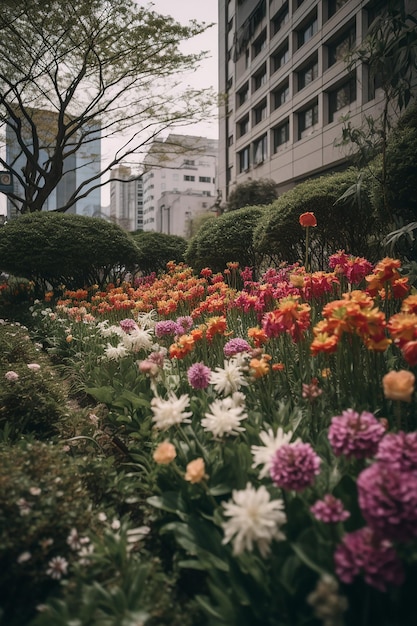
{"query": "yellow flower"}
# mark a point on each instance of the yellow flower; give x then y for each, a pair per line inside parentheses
(164, 453)
(196, 471)
(399, 385)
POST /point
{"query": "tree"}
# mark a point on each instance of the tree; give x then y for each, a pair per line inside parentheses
(251, 193)
(155, 250)
(73, 69)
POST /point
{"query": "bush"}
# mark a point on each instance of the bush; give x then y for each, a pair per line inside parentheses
(342, 224)
(226, 238)
(155, 250)
(64, 249)
(251, 193)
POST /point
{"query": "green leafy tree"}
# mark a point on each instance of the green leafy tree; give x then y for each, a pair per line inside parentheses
(71, 70)
(64, 249)
(155, 250)
(252, 193)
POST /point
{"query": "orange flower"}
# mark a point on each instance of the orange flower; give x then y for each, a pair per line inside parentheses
(278, 367)
(259, 367)
(399, 385)
(324, 343)
(409, 351)
(216, 326)
(258, 335)
(195, 471)
(182, 347)
(308, 219)
(164, 453)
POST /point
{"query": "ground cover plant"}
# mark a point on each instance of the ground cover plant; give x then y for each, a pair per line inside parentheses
(252, 449)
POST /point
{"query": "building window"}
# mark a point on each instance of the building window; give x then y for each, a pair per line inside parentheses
(333, 6)
(376, 9)
(280, 57)
(244, 159)
(188, 162)
(259, 78)
(242, 95)
(280, 95)
(260, 150)
(259, 112)
(338, 50)
(242, 126)
(306, 32)
(230, 140)
(281, 135)
(374, 83)
(259, 44)
(307, 74)
(189, 178)
(307, 119)
(280, 19)
(204, 179)
(341, 97)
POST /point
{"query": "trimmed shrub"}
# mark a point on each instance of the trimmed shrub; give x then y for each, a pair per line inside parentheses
(252, 193)
(342, 223)
(155, 250)
(54, 249)
(226, 238)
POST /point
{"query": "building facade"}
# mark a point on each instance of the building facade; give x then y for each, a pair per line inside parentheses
(179, 181)
(126, 199)
(282, 70)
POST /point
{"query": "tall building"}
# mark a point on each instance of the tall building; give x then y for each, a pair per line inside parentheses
(79, 167)
(126, 199)
(286, 86)
(179, 181)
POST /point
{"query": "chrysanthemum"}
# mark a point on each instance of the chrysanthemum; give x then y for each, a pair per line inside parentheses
(262, 455)
(234, 346)
(255, 519)
(228, 379)
(399, 451)
(115, 353)
(138, 340)
(199, 376)
(170, 412)
(330, 510)
(127, 325)
(295, 466)
(166, 327)
(355, 435)
(224, 419)
(11, 376)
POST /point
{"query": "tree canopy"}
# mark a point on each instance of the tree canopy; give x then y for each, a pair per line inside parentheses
(71, 71)
(251, 193)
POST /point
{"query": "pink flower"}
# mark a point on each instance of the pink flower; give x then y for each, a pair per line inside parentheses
(235, 346)
(128, 325)
(330, 510)
(399, 451)
(184, 324)
(388, 501)
(199, 376)
(11, 376)
(295, 466)
(166, 327)
(34, 366)
(355, 435)
(362, 553)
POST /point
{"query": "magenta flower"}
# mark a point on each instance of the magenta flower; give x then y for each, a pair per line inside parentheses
(399, 451)
(361, 552)
(295, 466)
(388, 501)
(128, 325)
(184, 324)
(166, 327)
(235, 346)
(199, 376)
(330, 510)
(355, 435)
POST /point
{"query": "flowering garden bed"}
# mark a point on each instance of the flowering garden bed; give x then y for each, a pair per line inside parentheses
(267, 430)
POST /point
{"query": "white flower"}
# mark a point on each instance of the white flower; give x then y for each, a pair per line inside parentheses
(25, 556)
(147, 320)
(254, 519)
(167, 413)
(262, 455)
(73, 539)
(115, 353)
(224, 418)
(107, 331)
(137, 340)
(102, 517)
(35, 491)
(34, 366)
(11, 376)
(57, 567)
(229, 379)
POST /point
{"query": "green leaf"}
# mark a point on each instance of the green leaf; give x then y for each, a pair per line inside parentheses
(103, 394)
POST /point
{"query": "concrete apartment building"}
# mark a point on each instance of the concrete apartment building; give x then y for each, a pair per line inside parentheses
(126, 199)
(286, 86)
(179, 181)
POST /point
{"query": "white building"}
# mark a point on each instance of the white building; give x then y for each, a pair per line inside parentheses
(179, 180)
(126, 199)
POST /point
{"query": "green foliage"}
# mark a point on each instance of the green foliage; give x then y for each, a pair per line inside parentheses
(226, 238)
(342, 223)
(155, 250)
(252, 193)
(65, 249)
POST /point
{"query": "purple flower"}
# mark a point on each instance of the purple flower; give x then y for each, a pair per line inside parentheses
(235, 346)
(399, 451)
(363, 552)
(199, 376)
(128, 325)
(184, 324)
(294, 466)
(388, 501)
(330, 510)
(166, 327)
(355, 435)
